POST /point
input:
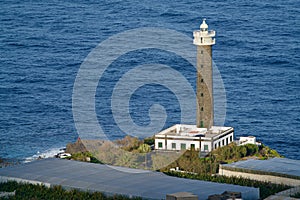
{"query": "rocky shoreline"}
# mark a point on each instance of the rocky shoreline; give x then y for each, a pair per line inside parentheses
(8, 162)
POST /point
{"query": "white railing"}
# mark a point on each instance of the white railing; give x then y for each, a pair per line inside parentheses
(210, 33)
(204, 41)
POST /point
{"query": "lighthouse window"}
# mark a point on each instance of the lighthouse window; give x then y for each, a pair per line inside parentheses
(160, 145)
(183, 146)
(201, 66)
(201, 94)
(173, 145)
(201, 51)
(201, 80)
(205, 147)
(201, 108)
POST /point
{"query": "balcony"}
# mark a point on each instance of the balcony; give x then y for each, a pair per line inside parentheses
(204, 38)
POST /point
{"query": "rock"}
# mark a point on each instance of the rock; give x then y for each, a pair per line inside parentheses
(76, 147)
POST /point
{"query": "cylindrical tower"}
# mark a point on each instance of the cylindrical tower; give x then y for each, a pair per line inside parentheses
(204, 40)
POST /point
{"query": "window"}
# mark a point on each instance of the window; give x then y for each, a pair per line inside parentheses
(183, 146)
(205, 147)
(173, 145)
(192, 146)
(219, 143)
(201, 66)
(201, 124)
(201, 51)
(160, 145)
(201, 108)
(215, 145)
(201, 80)
(231, 138)
(223, 142)
(226, 141)
(201, 94)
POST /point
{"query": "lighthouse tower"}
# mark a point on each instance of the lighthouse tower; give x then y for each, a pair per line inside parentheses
(203, 136)
(204, 40)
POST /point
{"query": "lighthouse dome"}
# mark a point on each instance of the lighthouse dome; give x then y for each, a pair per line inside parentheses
(204, 26)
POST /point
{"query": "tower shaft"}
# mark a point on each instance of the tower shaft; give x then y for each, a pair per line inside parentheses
(204, 40)
(205, 106)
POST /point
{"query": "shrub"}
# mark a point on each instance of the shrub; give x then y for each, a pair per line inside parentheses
(265, 188)
(30, 191)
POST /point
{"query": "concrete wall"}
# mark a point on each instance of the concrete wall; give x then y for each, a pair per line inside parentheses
(259, 177)
(178, 140)
(178, 144)
(223, 141)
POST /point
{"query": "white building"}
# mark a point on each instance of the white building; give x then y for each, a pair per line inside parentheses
(248, 140)
(182, 137)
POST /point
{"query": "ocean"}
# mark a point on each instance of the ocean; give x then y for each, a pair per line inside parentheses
(43, 45)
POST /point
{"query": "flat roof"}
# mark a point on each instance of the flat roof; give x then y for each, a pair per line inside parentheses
(193, 131)
(277, 165)
(116, 180)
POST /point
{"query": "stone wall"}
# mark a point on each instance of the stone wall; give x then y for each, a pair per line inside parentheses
(205, 105)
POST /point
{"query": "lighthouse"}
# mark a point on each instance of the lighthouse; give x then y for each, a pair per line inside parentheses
(203, 136)
(204, 40)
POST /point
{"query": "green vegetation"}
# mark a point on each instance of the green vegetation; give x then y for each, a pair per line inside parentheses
(129, 143)
(265, 188)
(144, 148)
(135, 153)
(84, 156)
(34, 192)
(232, 152)
(150, 141)
(191, 162)
(297, 195)
(128, 152)
(133, 144)
(207, 168)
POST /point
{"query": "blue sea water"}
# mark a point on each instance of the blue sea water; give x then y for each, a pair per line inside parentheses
(42, 45)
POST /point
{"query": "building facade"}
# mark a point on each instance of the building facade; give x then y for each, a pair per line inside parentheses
(248, 140)
(186, 137)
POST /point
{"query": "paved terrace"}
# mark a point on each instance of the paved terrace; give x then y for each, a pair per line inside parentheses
(115, 180)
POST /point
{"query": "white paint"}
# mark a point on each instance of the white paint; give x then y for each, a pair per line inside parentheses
(180, 135)
(248, 140)
(203, 36)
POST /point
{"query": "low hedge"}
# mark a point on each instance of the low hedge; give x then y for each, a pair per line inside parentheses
(30, 191)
